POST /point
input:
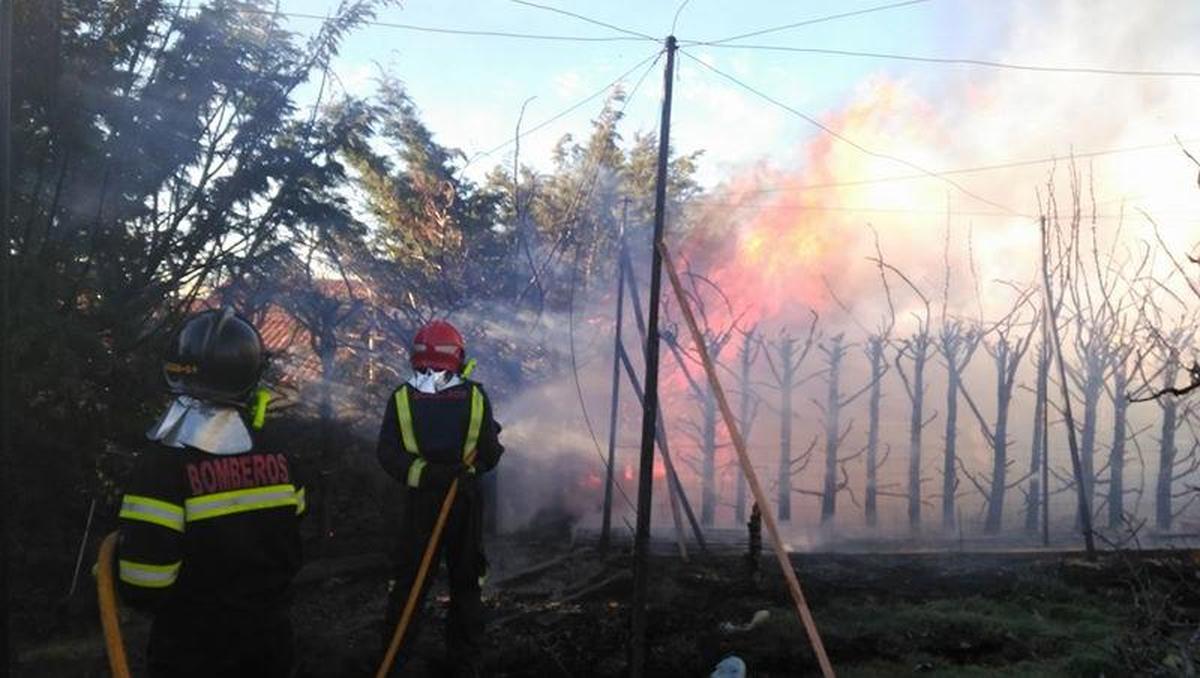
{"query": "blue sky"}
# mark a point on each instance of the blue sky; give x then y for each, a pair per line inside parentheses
(470, 88)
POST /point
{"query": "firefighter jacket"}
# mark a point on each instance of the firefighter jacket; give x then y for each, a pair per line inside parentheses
(447, 428)
(210, 532)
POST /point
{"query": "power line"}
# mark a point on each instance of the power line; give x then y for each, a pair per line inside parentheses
(850, 142)
(247, 9)
(567, 111)
(1089, 70)
(898, 210)
(967, 170)
(675, 20)
(806, 22)
(589, 20)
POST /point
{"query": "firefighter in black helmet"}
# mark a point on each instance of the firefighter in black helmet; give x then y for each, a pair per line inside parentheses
(438, 427)
(209, 525)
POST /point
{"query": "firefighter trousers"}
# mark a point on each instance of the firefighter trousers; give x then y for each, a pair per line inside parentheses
(186, 643)
(462, 546)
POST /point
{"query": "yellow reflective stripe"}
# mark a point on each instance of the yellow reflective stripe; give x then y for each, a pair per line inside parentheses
(404, 415)
(301, 501)
(151, 510)
(148, 575)
(240, 501)
(475, 426)
(415, 471)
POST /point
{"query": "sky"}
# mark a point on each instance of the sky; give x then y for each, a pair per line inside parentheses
(799, 120)
(470, 88)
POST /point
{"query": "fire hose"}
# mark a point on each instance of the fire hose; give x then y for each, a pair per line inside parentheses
(106, 594)
(414, 592)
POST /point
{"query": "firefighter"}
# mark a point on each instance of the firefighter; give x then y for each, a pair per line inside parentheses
(209, 525)
(439, 427)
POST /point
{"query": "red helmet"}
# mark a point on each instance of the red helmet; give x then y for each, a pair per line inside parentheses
(438, 346)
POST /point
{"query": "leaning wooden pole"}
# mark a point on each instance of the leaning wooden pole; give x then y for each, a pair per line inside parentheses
(785, 564)
(614, 407)
(672, 475)
(641, 542)
(674, 490)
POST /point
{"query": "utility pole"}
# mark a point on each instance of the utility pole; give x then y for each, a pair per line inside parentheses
(641, 544)
(6, 19)
(613, 415)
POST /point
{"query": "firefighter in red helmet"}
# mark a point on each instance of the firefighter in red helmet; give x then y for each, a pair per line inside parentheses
(209, 537)
(439, 427)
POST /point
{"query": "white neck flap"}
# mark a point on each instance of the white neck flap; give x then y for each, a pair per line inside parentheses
(216, 429)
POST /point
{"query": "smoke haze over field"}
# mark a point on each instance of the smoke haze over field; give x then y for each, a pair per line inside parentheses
(771, 233)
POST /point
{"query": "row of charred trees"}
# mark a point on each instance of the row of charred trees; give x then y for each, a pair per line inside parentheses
(1124, 333)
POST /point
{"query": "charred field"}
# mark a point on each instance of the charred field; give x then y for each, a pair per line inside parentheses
(560, 608)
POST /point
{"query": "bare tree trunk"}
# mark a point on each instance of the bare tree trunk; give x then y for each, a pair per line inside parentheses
(1004, 357)
(833, 408)
(1092, 388)
(870, 495)
(1116, 455)
(747, 361)
(915, 425)
(787, 381)
(708, 495)
(1166, 450)
(1033, 498)
(950, 462)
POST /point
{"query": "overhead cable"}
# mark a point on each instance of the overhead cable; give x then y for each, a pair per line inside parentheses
(850, 142)
(986, 63)
(806, 22)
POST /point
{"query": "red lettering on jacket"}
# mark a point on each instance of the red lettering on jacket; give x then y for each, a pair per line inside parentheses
(194, 479)
(283, 467)
(272, 469)
(247, 471)
(225, 474)
(260, 471)
(209, 477)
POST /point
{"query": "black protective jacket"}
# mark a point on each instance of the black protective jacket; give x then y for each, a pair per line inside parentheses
(204, 534)
(440, 423)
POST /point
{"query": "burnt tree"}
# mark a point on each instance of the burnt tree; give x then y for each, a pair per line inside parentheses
(1007, 353)
(956, 342)
(747, 411)
(836, 477)
(791, 356)
(1034, 492)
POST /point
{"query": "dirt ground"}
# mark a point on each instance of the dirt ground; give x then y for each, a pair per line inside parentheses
(561, 609)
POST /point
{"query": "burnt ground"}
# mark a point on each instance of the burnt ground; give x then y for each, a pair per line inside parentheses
(562, 610)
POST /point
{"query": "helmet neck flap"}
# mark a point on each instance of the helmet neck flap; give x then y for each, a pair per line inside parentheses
(206, 426)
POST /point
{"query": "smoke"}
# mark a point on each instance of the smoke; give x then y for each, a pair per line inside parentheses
(777, 239)
(769, 235)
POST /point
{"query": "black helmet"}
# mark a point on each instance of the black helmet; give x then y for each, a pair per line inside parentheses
(218, 356)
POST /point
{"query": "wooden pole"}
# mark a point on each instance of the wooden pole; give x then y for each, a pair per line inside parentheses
(672, 475)
(641, 575)
(739, 444)
(6, 423)
(614, 412)
(673, 488)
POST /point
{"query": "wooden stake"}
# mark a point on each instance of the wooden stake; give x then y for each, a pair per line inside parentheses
(785, 564)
